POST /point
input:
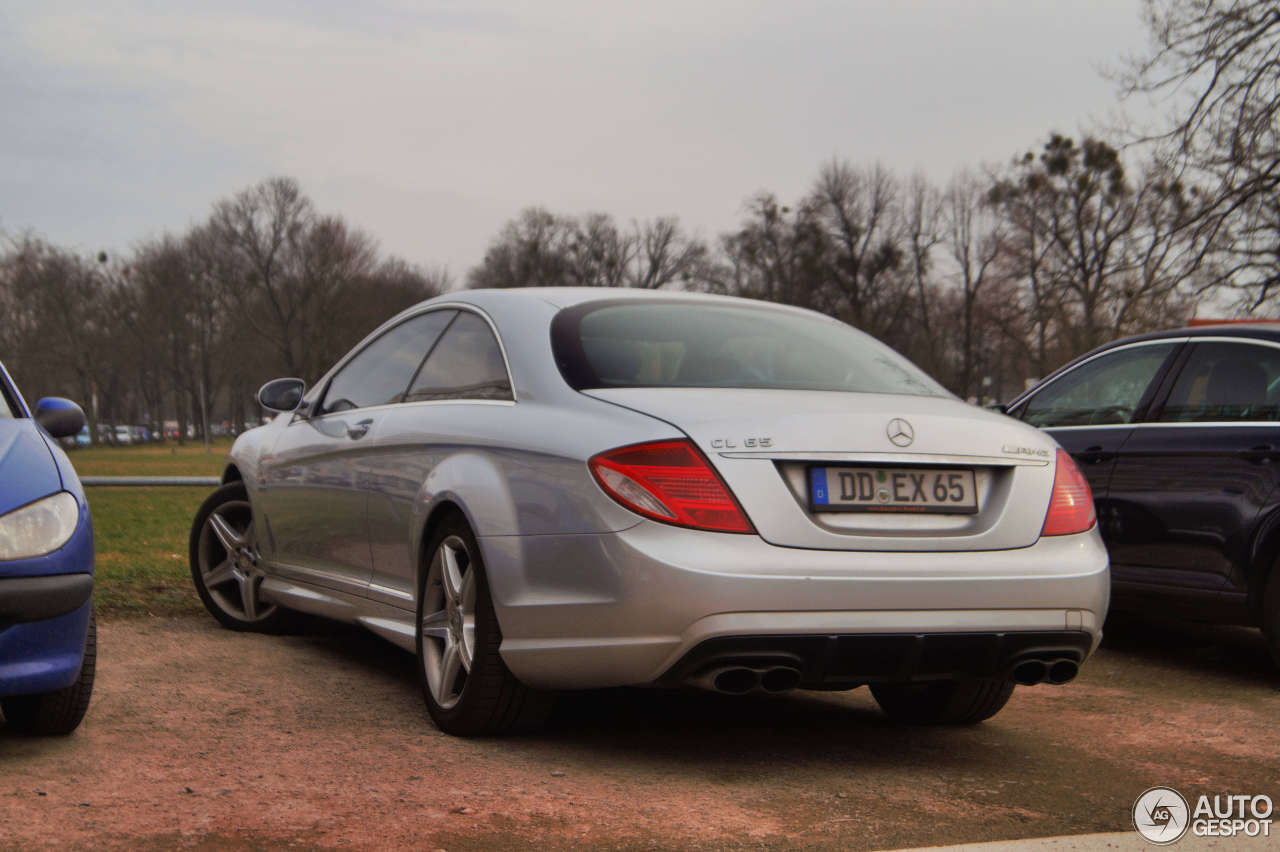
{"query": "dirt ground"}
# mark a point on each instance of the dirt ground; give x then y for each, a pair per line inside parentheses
(202, 738)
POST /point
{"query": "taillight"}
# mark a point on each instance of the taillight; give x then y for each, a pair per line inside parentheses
(1071, 506)
(669, 481)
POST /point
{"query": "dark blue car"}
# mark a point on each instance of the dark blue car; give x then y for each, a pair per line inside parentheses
(48, 644)
(1178, 433)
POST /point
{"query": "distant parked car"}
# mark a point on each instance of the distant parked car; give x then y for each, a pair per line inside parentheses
(1178, 434)
(48, 642)
(578, 488)
(123, 435)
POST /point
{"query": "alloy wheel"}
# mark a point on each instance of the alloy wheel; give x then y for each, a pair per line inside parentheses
(449, 621)
(230, 564)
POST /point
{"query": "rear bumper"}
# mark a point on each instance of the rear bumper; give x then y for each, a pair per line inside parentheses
(849, 660)
(632, 607)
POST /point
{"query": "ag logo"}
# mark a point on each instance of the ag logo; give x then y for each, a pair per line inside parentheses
(1161, 815)
(900, 432)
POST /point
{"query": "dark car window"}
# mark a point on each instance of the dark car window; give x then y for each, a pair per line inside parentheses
(467, 363)
(1104, 390)
(697, 345)
(1226, 382)
(379, 374)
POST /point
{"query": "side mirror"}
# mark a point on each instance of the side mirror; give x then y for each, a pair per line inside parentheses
(998, 408)
(282, 395)
(60, 417)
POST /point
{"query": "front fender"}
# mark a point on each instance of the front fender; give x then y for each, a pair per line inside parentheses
(246, 456)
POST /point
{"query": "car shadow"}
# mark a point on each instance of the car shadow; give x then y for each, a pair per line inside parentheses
(1229, 651)
(660, 726)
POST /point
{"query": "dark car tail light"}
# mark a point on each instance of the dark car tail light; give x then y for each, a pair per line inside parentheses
(1071, 506)
(669, 481)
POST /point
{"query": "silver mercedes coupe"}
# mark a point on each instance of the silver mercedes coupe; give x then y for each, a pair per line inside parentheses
(548, 489)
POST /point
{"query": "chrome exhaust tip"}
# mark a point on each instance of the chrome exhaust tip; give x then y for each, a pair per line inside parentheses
(736, 680)
(1030, 672)
(1062, 671)
(780, 679)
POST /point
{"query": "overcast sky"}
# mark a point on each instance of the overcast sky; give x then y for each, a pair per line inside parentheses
(431, 124)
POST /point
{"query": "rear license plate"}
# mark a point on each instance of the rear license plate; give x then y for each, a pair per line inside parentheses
(893, 489)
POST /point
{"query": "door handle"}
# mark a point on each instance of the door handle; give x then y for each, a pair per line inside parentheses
(359, 430)
(1095, 455)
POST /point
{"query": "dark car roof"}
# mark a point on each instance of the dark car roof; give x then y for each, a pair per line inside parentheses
(1256, 330)
(1266, 330)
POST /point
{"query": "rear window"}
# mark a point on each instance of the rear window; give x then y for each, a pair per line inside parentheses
(703, 345)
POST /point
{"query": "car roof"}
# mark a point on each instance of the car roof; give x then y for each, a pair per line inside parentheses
(567, 297)
(1264, 330)
(564, 297)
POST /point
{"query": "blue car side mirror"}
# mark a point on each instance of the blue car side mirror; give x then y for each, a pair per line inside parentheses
(60, 417)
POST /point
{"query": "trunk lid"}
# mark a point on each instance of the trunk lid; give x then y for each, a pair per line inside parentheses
(765, 442)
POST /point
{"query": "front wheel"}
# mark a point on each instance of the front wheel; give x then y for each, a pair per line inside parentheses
(467, 687)
(964, 701)
(226, 566)
(58, 712)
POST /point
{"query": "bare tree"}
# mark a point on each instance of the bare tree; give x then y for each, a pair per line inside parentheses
(779, 254)
(55, 297)
(976, 238)
(666, 255)
(923, 224)
(1216, 63)
(257, 230)
(859, 211)
(528, 252)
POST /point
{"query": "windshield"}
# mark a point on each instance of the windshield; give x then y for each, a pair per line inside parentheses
(706, 345)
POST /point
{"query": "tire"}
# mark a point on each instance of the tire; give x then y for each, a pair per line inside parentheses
(1271, 614)
(965, 701)
(59, 712)
(469, 691)
(226, 566)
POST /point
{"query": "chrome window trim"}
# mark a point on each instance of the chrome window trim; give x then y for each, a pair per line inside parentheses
(401, 320)
(1213, 424)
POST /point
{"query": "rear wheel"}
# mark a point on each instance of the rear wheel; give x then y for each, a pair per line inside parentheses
(58, 712)
(467, 687)
(964, 701)
(226, 566)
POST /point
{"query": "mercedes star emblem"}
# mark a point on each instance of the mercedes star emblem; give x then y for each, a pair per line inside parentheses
(900, 432)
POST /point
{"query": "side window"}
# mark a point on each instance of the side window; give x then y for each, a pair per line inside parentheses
(466, 364)
(379, 374)
(1103, 391)
(1225, 382)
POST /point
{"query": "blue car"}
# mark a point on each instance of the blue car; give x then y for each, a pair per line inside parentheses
(48, 644)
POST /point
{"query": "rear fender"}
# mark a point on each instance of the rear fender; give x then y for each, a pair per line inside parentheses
(1263, 556)
(473, 483)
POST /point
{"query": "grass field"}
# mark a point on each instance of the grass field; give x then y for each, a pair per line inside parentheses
(140, 534)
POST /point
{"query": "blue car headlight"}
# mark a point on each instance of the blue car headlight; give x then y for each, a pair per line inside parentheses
(38, 528)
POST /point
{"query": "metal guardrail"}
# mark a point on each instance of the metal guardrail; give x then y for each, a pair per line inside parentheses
(150, 481)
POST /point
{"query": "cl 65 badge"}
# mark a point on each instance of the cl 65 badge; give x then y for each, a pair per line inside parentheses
(747, 443)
